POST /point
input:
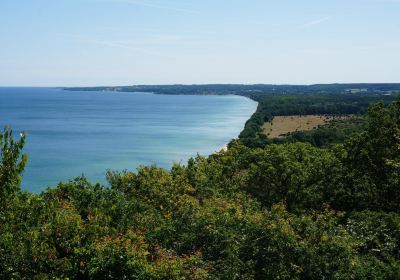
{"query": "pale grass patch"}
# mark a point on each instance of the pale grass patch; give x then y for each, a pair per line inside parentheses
(283, 125)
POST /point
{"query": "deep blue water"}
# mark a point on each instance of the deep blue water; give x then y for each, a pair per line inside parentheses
(75, 133)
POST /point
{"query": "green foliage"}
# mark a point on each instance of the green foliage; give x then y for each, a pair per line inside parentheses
(371, 162)
(12, 164)
(298, 174)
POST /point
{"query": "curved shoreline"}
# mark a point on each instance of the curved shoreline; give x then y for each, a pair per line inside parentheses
(129, 142)
(114, 90)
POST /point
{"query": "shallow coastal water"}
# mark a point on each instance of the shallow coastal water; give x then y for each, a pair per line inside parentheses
(75, 133)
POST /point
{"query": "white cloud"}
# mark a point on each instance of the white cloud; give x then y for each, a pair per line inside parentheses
(314, 22)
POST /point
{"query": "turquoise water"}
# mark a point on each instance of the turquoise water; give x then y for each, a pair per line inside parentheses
(75, 133)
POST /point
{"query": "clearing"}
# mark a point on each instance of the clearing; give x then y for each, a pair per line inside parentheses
(283, 125)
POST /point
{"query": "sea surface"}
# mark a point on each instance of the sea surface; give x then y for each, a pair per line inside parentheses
(74, 133)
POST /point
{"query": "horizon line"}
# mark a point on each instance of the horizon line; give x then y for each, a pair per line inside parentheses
(203, 84)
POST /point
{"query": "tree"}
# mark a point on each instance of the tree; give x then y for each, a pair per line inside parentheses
(12, 164)
(372, 161)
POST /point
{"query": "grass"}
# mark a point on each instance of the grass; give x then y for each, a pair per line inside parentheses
(283, 125)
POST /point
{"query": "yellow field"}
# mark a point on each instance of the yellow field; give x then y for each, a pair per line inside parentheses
(282, 125)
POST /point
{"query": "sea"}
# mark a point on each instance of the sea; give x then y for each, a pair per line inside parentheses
(74, 133)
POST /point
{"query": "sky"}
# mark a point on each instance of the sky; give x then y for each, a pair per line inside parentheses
(126, 42)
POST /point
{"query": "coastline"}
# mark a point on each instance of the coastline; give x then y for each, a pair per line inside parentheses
(134, 128)
(122, 89)
(221, 149)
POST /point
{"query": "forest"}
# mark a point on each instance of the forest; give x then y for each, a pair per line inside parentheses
(283, 104)
(289, 209)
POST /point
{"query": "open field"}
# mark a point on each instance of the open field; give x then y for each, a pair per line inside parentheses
(283, 125)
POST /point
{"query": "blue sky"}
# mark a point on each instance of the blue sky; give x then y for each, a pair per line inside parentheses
(122, 42)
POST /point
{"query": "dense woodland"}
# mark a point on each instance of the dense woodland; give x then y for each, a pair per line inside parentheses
(297, 209)
(280, 104)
